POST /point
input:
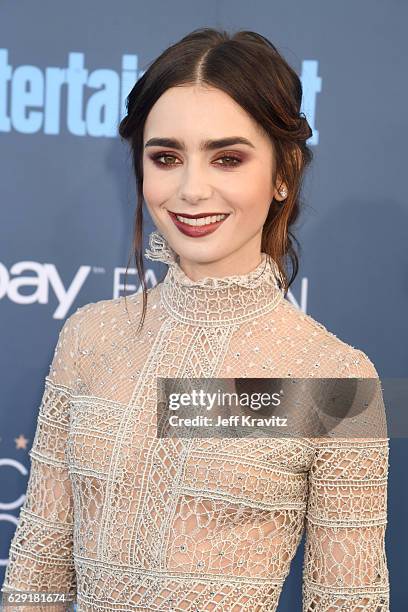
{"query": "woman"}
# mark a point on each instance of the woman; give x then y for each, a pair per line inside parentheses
(128, 520)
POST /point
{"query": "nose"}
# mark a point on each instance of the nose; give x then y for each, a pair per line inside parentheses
(194, 185)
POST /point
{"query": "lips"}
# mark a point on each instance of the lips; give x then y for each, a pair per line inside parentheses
(197, 230)
(199, 216)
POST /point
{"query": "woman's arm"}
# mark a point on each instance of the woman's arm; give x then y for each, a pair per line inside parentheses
(345, 565)
(40, 556)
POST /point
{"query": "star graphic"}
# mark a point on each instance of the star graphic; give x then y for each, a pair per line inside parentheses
(21, 441)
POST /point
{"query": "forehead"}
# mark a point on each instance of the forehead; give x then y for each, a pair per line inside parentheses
(195, 111)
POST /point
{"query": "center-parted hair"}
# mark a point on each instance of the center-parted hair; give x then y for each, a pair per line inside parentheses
(250, 69)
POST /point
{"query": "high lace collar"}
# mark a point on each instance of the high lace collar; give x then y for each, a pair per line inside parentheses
(213, 301)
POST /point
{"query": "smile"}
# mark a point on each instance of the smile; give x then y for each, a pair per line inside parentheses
(198, 225)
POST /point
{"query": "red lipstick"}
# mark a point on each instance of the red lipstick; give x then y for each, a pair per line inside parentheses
(195, 231)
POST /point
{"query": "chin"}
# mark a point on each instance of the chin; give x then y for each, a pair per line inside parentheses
(205, 258)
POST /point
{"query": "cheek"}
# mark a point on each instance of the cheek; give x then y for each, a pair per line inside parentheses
(261, 186)
(155, 188)
(252, 188)
(253, 200)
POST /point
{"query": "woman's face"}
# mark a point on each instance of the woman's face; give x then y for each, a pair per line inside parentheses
(187, 177)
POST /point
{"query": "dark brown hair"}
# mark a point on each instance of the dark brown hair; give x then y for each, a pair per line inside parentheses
(250, 69)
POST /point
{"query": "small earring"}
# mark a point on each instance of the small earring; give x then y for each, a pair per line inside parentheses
(283, 192)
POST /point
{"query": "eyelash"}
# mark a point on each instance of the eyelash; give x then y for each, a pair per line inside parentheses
(156, 158)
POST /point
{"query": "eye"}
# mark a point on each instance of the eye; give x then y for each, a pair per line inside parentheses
(158, 156)
(236, 160)
(232, 160)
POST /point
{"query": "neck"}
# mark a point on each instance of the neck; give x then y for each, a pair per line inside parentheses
(216, 301)
(242, 261)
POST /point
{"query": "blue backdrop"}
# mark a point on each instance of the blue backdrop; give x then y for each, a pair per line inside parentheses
(67, 193)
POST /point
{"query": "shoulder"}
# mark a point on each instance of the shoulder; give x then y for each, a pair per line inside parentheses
(107, 315)
(334, 356)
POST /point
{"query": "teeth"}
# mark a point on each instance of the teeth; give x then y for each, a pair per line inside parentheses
(202, 220)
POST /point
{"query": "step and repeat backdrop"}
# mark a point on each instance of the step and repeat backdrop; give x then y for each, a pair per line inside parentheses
(67, 192)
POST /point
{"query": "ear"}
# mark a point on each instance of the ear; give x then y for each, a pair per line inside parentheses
(280, 184)
(278, 197)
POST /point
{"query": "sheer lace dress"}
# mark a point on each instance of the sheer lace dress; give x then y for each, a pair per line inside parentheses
(129, 521)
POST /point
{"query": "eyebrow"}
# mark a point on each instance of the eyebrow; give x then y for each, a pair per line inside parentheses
(205, 145)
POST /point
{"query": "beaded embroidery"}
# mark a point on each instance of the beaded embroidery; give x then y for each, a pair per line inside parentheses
(127, 520)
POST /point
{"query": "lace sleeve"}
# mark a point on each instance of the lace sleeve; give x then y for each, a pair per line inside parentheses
(345, 564)
(40, 555)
